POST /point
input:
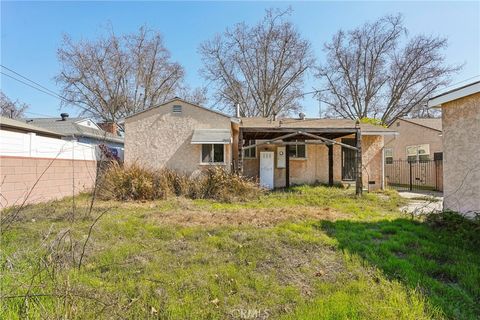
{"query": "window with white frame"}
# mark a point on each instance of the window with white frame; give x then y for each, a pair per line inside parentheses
(250, 153)
(297, 151)
(388, 155)
(213, 153)
(419, 152)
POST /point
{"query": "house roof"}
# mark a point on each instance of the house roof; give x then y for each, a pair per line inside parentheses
(454, 94)
(431, 123)
(23, 126)
(70, 126)
(180, 100)
(295, 123)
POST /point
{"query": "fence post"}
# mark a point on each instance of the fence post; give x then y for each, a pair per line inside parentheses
(32, 148)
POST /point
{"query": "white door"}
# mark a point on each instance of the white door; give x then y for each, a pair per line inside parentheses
(266, 169)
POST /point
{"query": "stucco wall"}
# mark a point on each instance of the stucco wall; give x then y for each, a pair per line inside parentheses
(160, 138)
(461, 139)
(314, 168)
(412, 134)
(57, 178)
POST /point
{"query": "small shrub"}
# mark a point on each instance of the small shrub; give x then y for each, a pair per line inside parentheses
(137, 183)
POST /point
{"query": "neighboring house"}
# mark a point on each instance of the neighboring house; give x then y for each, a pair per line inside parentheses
(461, 147)
(38, 164)
(20, 126)
(418, 140)
(187, 138)
(84, 130)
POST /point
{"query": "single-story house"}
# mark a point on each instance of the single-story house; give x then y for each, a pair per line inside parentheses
(188, 137)
(84, 130)
(461, 146)
(418, 139)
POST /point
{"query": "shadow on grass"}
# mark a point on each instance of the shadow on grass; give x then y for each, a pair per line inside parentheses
(442, 261)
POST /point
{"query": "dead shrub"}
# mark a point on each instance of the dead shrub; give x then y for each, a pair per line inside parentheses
(219, 184)
(137, 183)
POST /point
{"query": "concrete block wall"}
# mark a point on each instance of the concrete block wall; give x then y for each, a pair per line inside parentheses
(43, 179)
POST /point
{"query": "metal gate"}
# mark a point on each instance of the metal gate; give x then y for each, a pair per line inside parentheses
(414, 175)
(349, 158)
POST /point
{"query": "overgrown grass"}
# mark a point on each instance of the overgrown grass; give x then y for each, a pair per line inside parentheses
(303, 253)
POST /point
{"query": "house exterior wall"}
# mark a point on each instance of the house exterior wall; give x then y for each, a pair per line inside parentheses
(159, 138)
(461, 167)
(412, 134)
(314, 169)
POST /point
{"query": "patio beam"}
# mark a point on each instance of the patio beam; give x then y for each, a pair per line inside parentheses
(303, 133)
(328, 141)
(285, 130)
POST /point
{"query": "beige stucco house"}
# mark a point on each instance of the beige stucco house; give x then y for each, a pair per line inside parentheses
(461, 147)
(187, 138)
(417, 140)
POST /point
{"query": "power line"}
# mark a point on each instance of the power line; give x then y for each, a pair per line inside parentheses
(40, 88)
(31, 86)
(36, 83)
(457, 83)
(39, 114)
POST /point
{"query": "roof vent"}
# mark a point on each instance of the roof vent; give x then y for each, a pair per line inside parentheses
(64, 116)
(301, 115)
(177, 109)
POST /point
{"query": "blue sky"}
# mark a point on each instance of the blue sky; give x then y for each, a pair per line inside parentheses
(31, 33)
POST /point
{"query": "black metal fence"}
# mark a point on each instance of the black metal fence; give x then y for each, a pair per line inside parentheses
(421, 175)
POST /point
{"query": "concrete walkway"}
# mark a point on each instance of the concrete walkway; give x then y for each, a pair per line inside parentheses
(421, 202)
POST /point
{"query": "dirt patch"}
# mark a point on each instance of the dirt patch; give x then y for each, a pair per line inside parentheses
(249, 217)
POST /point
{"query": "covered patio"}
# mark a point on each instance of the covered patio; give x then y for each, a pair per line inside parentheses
(290, 133)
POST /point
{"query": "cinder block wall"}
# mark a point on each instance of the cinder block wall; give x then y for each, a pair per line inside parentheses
(57, 178)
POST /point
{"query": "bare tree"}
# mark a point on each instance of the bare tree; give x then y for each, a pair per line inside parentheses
(260, 67)
(197, 95)
(115, 76)
(11, 109)
(369, 73)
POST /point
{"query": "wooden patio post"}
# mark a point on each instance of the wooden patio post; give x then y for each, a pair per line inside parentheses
(287, 166)
(240, 151)
(330, 165)
(358, 181)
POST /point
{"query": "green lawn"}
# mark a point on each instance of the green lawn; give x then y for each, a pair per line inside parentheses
(305, 253)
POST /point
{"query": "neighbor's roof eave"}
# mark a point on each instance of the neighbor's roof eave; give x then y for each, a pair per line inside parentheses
(12, 123)
(418, 124)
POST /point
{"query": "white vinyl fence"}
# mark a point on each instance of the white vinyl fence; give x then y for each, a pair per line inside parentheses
(15, 144)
